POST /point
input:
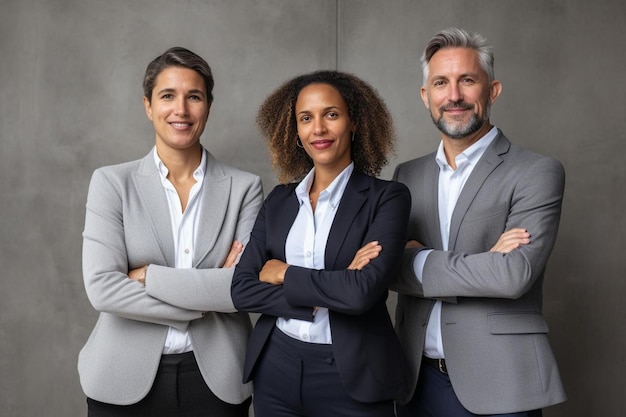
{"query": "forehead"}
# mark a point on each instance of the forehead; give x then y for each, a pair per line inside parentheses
(179, 77)
(449, 62)
(319, 94)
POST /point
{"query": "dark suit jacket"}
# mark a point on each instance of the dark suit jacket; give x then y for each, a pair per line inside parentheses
(367, 352)
(494, 334)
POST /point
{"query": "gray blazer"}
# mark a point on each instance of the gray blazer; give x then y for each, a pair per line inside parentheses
(494, 334)
(127, 225)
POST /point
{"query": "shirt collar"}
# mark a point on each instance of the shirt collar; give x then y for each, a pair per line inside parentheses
(198, 174)
(334, 190)
(471, 154)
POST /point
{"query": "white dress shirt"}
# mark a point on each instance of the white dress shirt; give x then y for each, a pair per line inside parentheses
(451, 184)
(306, 245)
(184, 228)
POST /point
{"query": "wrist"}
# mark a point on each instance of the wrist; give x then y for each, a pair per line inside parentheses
(142, 276)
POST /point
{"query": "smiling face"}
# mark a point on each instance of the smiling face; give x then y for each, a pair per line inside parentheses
(458, 94)
(178, 108)
(324, 126)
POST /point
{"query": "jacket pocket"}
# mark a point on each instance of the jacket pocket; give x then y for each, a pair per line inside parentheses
(517, 323)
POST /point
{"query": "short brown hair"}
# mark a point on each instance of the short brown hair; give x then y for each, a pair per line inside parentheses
(177, 57)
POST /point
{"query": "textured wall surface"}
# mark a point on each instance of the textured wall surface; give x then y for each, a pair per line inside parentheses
(70, 79)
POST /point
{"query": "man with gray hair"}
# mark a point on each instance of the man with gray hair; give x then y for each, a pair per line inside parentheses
(484, 220)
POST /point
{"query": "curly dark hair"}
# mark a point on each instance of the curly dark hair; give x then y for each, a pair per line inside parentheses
(374, 137)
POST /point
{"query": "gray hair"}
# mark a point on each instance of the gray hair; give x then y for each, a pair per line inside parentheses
(459, 38)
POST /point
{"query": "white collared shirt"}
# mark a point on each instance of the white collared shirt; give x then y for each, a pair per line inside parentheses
(184, 228)
(306, 246)
(451, 183)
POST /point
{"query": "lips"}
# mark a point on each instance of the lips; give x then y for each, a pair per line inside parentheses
(322, 143)
(180, 125)
(456, 108)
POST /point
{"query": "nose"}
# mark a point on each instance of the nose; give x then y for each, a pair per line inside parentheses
(455, 94)
(180, 106)
(320, 126)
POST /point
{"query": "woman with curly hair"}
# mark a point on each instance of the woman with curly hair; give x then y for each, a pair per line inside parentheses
(324, 248)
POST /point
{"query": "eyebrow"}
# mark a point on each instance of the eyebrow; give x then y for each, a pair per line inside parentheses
(325, 109)
(171, 90)
(465, 74)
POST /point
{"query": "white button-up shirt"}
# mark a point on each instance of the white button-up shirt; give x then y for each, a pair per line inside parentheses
(184, 228)
(306, 246)
(451, 183)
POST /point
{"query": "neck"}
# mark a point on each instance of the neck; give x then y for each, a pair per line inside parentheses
(324, 176)
(181, 164)
(453, 147)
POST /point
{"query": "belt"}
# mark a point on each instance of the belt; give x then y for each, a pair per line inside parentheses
(438, 364)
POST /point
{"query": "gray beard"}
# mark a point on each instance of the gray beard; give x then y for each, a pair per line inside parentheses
(460, 130)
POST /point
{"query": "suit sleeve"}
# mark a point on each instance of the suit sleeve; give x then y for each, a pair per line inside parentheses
(207, 289)
(356, 291)
(105, 262)
(536, 206)
(406, 281)
(247, 291)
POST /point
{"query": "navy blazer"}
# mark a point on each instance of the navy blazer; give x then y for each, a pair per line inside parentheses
(368, 355)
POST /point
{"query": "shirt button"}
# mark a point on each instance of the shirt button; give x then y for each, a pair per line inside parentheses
(308, 254)
(187, 251)
(305, 336)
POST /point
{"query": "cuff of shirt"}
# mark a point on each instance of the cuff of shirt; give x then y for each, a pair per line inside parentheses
(418, 263)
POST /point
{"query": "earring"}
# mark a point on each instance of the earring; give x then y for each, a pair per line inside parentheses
(352, 136)
(299, 142)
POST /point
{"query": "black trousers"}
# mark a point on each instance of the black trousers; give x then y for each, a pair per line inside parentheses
(178, 391)
(295, 378)
(434, 396)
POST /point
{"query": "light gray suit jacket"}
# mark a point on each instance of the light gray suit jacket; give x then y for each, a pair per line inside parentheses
(128, 225)
(494, 334)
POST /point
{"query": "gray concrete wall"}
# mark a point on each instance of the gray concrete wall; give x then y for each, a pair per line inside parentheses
(70, 83)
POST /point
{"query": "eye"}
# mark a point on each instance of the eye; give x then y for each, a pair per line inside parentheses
(195, 97)
(305, 118)
(167, 96)
(438, 83)
(332, 115)
(468, 81)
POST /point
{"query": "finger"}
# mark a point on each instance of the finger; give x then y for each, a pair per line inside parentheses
(235, 250)
(367, 248)
(370, 253)
(366, 256)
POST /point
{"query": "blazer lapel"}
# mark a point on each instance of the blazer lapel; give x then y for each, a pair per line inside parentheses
(489, 161)
(215, 197)
(354, 196)
(150, 191)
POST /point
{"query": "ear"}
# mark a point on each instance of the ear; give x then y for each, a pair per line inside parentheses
(148, 107)
(494, 91)
(424, 95)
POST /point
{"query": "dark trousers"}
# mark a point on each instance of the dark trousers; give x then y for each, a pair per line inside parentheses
(178, 391)
(435, 397)
(295, 378)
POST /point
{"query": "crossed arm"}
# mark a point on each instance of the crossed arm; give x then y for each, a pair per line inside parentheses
(113, 288)
(508, 241)
(139, 274)
(273, 272)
